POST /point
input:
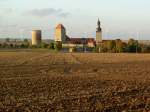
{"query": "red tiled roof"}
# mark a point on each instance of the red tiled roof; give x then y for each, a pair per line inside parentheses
(81, 40)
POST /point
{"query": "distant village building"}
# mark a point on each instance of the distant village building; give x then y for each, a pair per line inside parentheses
(90, 42)
(36, 37)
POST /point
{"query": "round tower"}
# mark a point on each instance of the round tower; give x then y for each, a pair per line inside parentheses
(36, 37)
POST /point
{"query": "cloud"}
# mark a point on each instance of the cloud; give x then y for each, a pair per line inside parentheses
(1, 18)
(9, 26)
(8, 10)
(3, 0)
(48, 12)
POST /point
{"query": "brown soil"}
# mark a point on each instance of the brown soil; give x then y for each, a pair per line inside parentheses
(45, 81)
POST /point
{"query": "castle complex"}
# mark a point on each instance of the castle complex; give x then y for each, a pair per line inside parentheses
(64, 39)
(61, 36)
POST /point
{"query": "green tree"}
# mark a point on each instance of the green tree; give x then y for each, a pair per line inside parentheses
(111, 46)
(25, 41)
(44, 45)
(120, 46)
(97, 49)
(58, 46)
(133, 46)
(11, 45)
(7, 39)
(145, 48)
(52, 46)
(22, 45)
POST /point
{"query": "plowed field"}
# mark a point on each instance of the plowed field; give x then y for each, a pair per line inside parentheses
(45, 81)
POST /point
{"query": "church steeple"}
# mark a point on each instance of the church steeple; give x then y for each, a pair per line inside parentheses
(99, 25)
(98, 32)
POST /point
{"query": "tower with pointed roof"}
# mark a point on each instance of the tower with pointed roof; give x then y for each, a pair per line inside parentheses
(60, 33)
(98, 32)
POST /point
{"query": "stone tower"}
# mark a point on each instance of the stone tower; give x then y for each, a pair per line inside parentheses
(60, 33)
(36, 37)
(98, 32)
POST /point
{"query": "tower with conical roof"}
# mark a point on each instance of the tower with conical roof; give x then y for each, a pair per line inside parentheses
(98, 32)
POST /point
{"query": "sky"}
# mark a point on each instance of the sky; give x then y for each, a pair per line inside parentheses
(122, 19)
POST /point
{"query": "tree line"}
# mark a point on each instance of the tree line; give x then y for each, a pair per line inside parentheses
(108, 46)
(118, 46)
(23, 44)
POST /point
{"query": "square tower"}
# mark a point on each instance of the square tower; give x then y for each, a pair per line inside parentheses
(60, 33)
